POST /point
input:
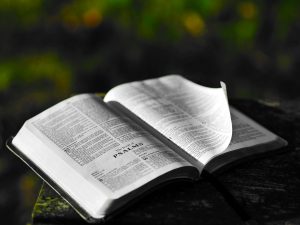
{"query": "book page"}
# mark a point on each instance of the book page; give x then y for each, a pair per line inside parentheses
(194, 117)
(109, 150)
(247, 132)
(249, 138)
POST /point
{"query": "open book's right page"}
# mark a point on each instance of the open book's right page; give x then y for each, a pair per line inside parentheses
(248, 139)
(195, 118)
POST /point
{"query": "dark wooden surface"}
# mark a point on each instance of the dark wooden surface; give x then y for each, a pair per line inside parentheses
(268, 188)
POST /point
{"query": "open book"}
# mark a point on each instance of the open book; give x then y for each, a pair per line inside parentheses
(102, 154)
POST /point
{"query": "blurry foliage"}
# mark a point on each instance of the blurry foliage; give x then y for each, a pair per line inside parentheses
(51, 49)
(38, 70)
(150, 19)
(20, 12)
(29, 185)
(287, 15)
(236, 23)
(155, 18)
(238, 27)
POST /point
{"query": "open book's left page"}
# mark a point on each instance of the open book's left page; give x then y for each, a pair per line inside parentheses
(93, 153)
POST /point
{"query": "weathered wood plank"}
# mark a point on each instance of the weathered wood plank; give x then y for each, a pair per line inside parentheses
(182, 202)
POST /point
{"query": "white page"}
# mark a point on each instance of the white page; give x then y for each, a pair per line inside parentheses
(246, 132)
(194, 117)
(248, 138)
(110, 151)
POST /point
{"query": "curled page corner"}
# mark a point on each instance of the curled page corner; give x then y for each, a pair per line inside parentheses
(206, 129)
(223, 86)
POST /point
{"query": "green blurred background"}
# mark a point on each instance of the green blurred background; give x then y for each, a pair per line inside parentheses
(50, 50)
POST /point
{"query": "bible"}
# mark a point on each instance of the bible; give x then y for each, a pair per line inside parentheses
(101, 154)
